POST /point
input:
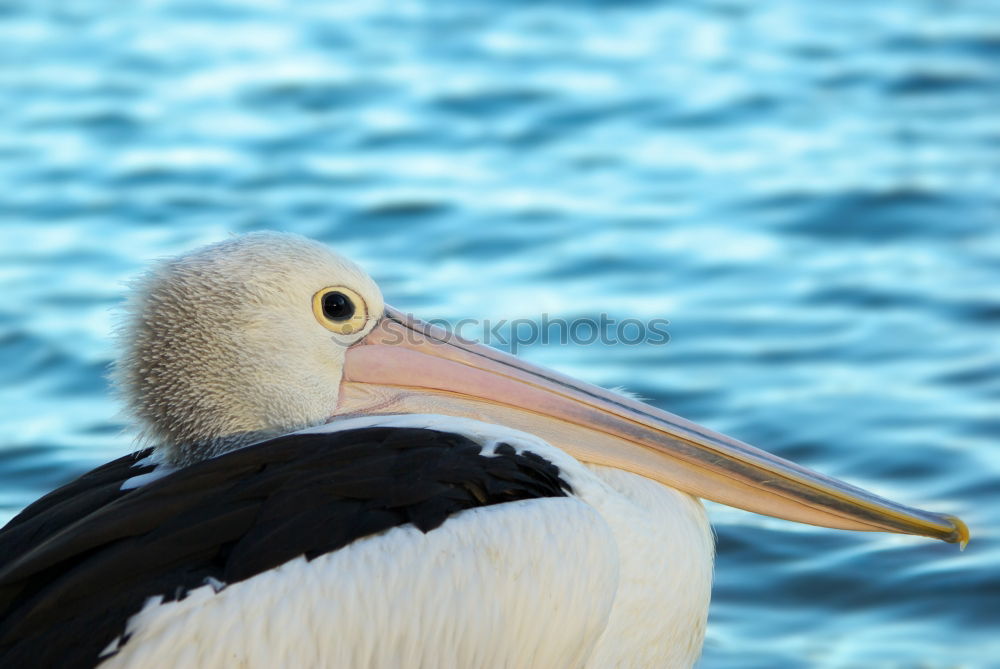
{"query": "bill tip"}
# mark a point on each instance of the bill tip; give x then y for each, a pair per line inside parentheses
(960, 534)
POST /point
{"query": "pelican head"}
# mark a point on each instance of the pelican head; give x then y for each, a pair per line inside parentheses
(268, 333)
(229, 344)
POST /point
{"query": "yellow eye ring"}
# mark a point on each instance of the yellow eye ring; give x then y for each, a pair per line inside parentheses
(340, 310)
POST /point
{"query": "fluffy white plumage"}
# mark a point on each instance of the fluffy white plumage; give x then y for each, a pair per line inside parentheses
(219, 347)
(617, 575)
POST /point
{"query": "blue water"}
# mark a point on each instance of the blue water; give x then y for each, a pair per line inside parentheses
(810, 192)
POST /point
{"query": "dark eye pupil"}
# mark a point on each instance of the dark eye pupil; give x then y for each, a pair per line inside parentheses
(337, 306)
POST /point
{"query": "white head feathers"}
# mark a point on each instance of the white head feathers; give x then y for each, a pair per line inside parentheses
(221, 346)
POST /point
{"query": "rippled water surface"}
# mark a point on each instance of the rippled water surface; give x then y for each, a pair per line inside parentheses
(810, 192)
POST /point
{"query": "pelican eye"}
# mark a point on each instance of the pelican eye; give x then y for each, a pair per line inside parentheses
(337, 306)
(340, 310)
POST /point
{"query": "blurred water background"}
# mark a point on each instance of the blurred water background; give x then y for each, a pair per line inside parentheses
(810, 192)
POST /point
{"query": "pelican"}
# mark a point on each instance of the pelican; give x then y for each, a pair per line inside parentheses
(323, 481)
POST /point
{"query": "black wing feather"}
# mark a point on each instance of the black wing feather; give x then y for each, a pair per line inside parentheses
(76, 564)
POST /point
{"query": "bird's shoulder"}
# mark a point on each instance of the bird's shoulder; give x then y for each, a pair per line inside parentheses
(83, 559)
